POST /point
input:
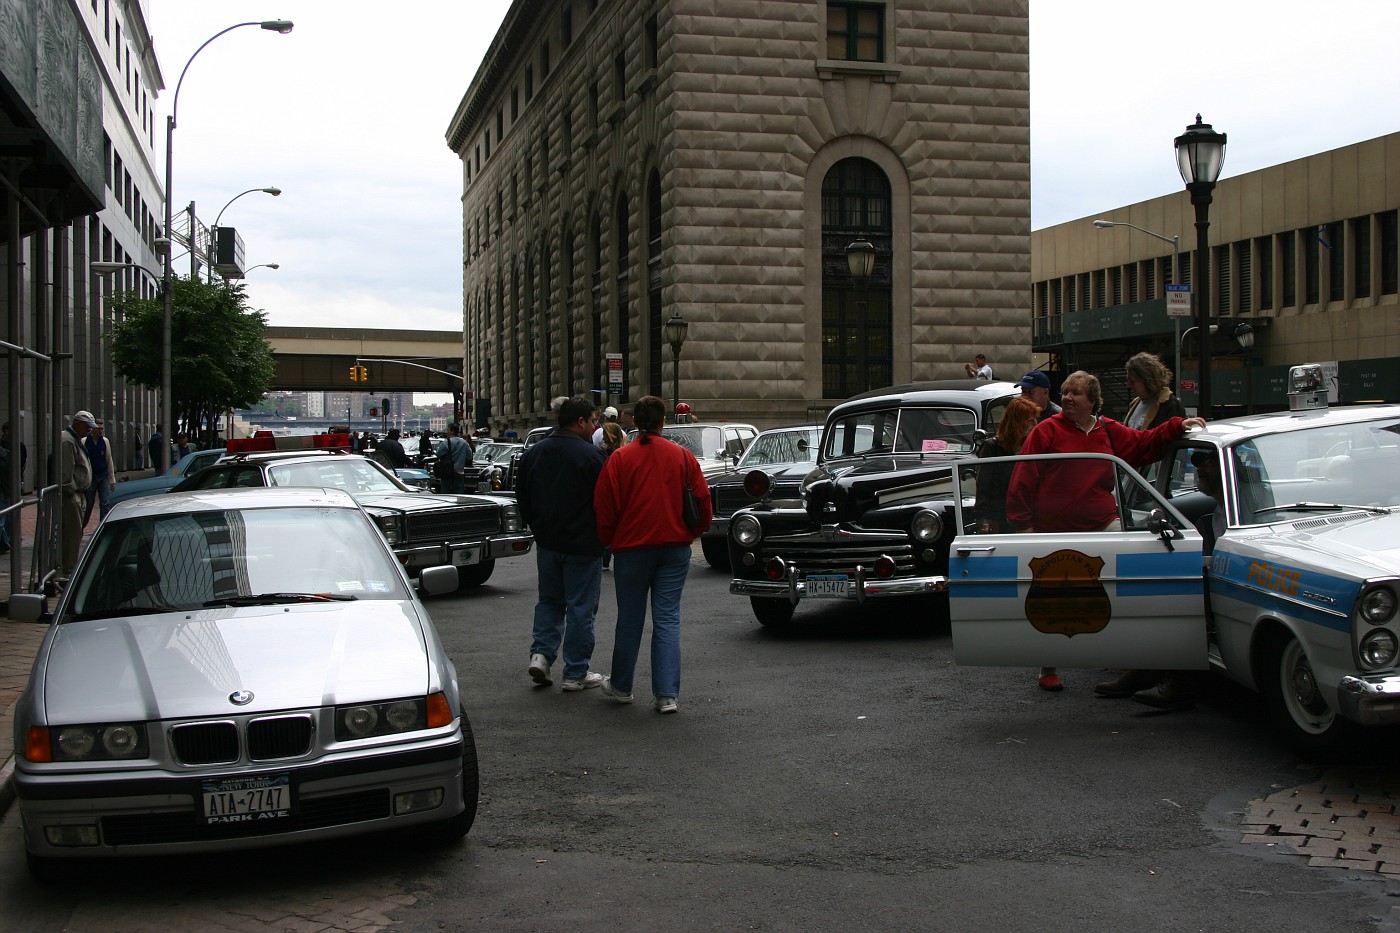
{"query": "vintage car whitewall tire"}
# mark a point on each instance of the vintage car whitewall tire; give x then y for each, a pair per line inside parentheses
(771, 612)
(1295, 703)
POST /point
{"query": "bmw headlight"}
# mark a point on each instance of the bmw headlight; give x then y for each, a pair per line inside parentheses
(365, 720)
(1379, 648)
(746, 529)
(116, 741)
(1378, 605)
(926, 527)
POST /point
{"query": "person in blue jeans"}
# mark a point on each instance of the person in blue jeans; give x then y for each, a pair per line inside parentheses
(554, 489)
(638, 501)
(459, 452)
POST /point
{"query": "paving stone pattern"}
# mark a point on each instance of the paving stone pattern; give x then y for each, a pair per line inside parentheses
(1345, 819)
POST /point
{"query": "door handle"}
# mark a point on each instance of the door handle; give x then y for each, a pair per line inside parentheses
(984, 549)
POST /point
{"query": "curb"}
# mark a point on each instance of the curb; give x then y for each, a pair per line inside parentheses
(7, 785)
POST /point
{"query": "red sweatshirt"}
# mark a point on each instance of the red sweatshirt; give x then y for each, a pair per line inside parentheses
(1077, 495)
(638, 496)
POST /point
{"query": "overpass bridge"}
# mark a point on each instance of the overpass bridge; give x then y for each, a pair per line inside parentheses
(318, 359)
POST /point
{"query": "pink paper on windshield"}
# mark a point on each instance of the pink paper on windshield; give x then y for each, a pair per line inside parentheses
(932, 445)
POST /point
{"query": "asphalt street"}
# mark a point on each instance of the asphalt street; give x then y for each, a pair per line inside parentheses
(843, 775)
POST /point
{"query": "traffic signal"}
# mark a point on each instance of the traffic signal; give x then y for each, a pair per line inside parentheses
(364, 374)
(384, 406)
(354, 374)
(374, 412)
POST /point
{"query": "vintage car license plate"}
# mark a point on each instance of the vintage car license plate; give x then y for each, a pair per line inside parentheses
(828, 585)
(464, 557)
(247, 800)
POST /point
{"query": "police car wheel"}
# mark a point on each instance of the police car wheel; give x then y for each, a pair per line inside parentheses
(475, 574)
(771, 612)
(1297, 705)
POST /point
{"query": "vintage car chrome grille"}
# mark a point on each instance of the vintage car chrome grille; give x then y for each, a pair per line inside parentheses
(730, 499)
(279, 737)
(445, 524)
(838, 556)
(205, 743)
(311, 813)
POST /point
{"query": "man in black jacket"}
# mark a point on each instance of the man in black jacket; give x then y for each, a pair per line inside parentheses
(554, 490)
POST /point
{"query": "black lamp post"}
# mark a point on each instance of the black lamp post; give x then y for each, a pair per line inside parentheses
(1200, 154)
(675, 336)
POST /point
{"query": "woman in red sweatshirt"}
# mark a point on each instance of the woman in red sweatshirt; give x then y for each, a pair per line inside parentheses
(1078, 495)
(638, 503)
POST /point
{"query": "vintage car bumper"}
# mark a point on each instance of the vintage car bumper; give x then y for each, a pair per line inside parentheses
(463, 553)
(153, 813)
(1370, 701)
(862, 586)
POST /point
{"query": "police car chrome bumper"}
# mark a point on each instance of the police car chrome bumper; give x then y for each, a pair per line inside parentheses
(860, 588)
(464, 553)
(1370, 701)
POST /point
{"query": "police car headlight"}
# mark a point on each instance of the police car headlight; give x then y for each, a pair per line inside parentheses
(1379, 648)
(1378, 606)
(746, 529)
(510, 518)
(926, 527)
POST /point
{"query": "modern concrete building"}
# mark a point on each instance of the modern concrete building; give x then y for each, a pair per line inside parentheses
(1304, 259)
(625, 162)
(78, 184)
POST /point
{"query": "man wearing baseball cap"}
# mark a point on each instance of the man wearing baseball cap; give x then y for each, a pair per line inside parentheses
(609, 415)
(74, 477)
(1035, 385)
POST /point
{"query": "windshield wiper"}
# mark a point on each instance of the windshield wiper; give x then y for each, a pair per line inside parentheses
(122, 611)
(272, 599)
(1327, 507)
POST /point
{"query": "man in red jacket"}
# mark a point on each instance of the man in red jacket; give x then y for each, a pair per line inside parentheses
(638, 501)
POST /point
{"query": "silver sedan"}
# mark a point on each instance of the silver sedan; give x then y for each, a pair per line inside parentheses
(231, 669)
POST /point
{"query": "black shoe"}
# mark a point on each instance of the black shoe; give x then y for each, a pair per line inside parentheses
(1127, 683)
(1167, 695)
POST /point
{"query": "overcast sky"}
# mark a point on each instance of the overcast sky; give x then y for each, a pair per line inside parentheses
(348, 113)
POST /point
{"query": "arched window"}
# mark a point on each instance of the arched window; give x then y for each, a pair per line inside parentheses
(654, 319)
(857, 331)
(595, 361)
(624, 330)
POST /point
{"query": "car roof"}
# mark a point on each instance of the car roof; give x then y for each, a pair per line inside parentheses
(218, 500)
(970, 392)
(1228, 431)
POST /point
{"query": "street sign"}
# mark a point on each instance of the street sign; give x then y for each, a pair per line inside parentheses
(615, 373)
(1178, 300)
(1188, 385)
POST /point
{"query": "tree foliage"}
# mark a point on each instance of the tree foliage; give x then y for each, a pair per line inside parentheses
(219, 358)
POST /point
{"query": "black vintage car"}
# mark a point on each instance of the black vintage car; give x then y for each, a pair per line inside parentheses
(779, 459)
(875, 516)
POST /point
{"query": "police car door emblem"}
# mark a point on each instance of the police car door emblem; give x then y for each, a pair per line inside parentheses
(1066, 596)
(241, 697)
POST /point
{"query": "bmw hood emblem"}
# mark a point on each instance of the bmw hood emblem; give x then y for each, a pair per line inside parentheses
(241, 697)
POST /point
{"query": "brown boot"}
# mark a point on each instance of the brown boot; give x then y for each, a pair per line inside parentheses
(1173, 692)
(1126, 684)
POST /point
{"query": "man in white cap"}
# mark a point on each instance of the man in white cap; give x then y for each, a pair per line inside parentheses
(609, 415)
(74, 477)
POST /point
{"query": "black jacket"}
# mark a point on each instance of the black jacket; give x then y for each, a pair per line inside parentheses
(555, 493)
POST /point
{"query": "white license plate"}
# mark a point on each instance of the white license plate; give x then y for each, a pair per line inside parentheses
(465, 557)
(828, 586)
(247, 800)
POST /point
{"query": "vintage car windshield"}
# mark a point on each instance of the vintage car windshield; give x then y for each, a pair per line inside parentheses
(1331, 464)
(354, 476)
(701, 440)
(164, 563)
(903, 430)
(781, 447)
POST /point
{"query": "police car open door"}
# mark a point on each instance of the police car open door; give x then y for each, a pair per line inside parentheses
(1106, 574)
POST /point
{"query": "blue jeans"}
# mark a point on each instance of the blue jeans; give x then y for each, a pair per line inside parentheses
(567, 606)
(661, 572)
(100, 492)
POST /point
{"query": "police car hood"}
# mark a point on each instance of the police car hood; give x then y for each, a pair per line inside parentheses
(1370, 544)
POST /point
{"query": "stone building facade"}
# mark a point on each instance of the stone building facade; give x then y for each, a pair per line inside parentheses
(1304, 258)
(79, 185)
(627, 161)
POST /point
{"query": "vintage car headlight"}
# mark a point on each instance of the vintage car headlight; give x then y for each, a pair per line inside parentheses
(1378, 605)
(927, 526)
(510, 517)
(113, 741)
(746, 529)
(1378, 649)
(389, 527)
(365, 720)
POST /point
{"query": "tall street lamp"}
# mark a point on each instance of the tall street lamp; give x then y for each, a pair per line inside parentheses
(1200, 155)
(262, 265)
(1175, 241)
(675, 336)
(271, 189)
(282, 27)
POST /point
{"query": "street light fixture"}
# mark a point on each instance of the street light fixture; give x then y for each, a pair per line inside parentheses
(213, 231)
(1175, 241)
(281, 27)
(860, 257)
(1200, 155)
(676, 328)
(262, 265)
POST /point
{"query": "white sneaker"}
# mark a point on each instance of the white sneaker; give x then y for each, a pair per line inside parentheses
(586, 682)
(611, 691)
(539, 670)
(666, 705)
